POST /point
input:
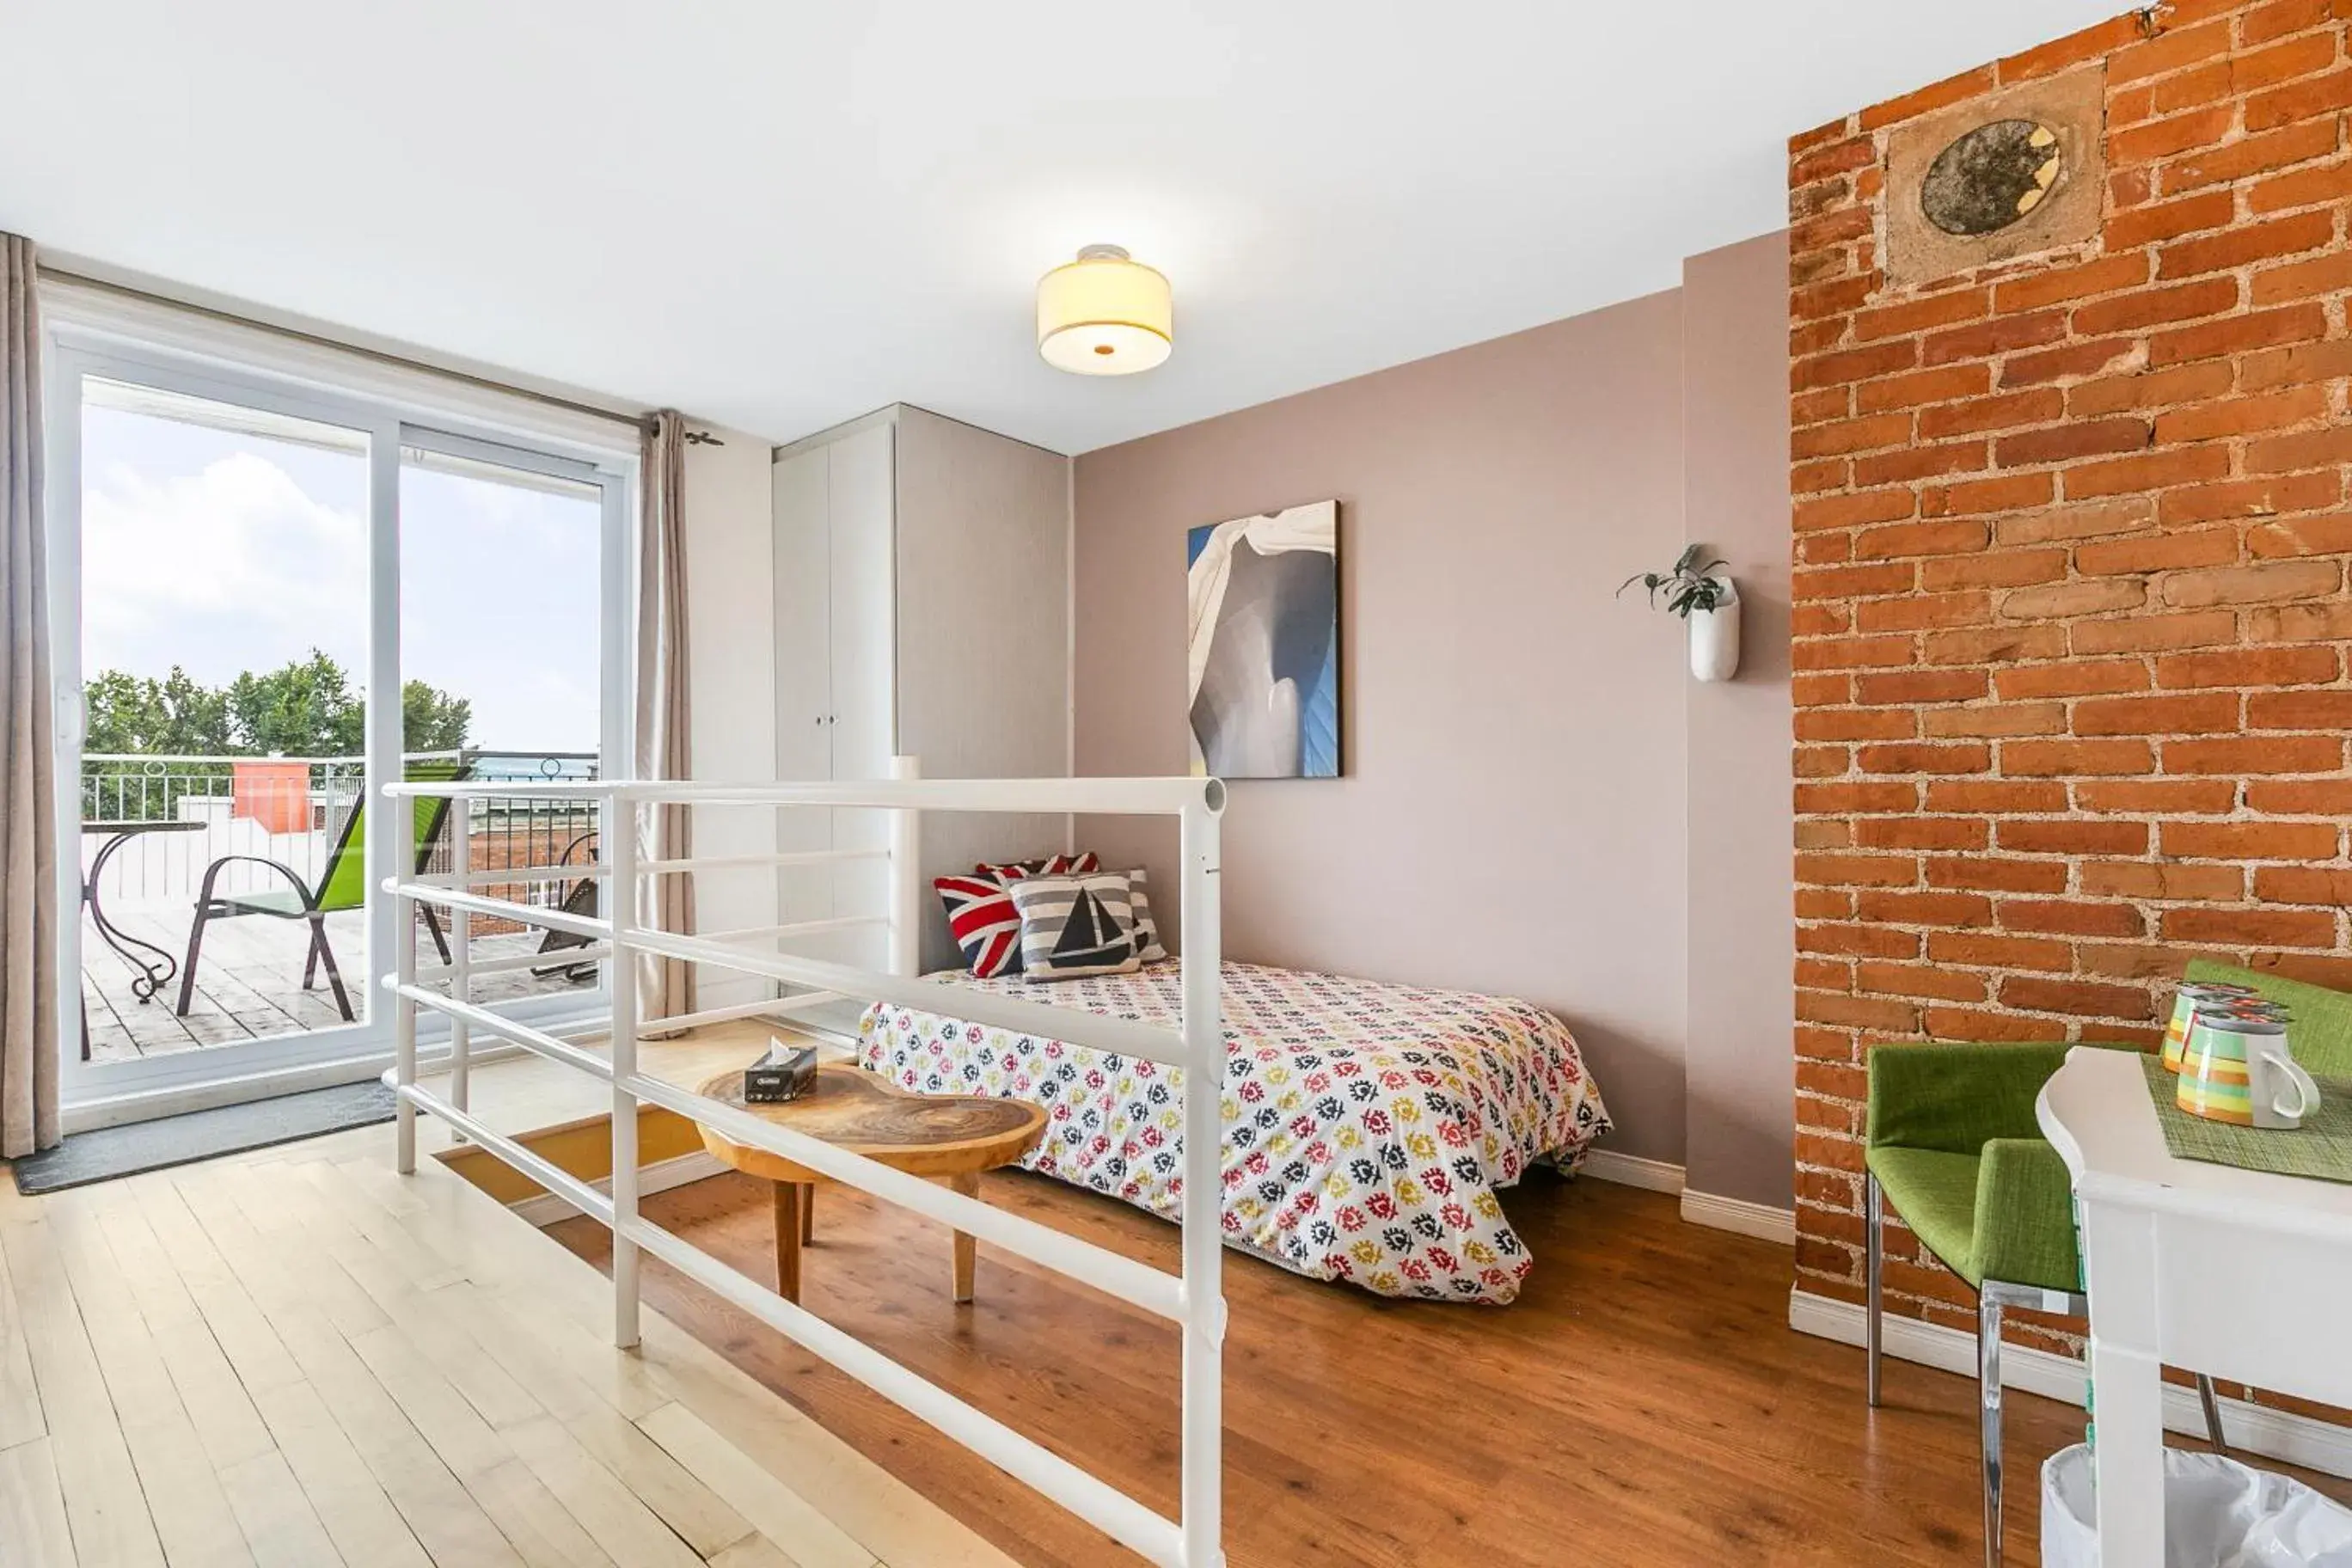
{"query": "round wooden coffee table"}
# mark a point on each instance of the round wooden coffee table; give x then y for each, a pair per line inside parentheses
(952, 1138)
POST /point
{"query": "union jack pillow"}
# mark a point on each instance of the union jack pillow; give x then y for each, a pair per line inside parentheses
(985, 925)
(1012, 871)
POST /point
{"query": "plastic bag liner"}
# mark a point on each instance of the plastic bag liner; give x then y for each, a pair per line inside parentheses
(2218, 1513)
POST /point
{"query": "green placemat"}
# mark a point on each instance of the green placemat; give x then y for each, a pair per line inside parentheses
(2320, 1148)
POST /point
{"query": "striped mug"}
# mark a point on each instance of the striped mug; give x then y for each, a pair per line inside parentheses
(2238, 1070)
(2192, 995)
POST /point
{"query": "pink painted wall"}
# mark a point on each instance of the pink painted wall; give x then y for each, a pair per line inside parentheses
(1536, 799)
(1511, 814)
(1740, 1116)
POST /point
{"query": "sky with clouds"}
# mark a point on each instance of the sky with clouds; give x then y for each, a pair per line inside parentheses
(223, 553)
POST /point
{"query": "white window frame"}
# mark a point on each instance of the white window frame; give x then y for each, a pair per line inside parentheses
(95, 332)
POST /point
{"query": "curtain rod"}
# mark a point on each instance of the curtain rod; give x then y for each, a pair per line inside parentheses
(640, 422)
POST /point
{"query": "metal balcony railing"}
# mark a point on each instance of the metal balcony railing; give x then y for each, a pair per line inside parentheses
(293, 810)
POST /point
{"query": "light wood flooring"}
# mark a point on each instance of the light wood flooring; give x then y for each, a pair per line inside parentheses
(248, 981)
(525, 1094)
(1643, 1402)
(297, 1357)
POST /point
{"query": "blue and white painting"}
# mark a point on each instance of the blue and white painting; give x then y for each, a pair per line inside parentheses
(1264, 646)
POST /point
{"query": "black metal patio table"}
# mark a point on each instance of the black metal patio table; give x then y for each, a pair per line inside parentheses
(151, 977)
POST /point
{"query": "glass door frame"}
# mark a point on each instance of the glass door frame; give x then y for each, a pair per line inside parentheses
(615, 708)
(98, 1092)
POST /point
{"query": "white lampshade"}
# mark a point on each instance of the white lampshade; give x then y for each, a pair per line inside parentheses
(1104, 314)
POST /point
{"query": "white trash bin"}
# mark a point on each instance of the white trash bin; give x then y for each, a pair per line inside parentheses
(2218, 1513)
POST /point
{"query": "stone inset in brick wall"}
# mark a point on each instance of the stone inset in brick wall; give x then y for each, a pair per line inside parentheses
(2072, 614)
(1997, 175)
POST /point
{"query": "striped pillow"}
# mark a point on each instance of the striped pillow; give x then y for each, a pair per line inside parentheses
(1072, 926)
(986, 926)
(1146, 930)
(1012, 871)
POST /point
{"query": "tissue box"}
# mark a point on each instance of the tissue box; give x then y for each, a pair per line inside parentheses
(784, 1074)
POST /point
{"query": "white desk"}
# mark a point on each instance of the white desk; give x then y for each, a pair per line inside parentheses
(2219, 1271)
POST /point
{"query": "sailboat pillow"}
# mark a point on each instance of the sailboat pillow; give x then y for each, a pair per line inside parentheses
(1076, 925)
(1146, 930)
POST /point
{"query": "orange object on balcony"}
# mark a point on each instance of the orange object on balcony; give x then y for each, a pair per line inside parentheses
(275, 795)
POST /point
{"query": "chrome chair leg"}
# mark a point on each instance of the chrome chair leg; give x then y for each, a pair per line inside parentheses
(1873, 1204)
(2212, 1404)
(1989, 1310)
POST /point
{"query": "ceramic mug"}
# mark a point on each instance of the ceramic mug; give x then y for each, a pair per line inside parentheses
(2236, 1069)
(2192, 995)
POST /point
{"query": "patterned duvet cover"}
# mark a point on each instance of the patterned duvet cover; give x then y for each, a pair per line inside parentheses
(1368, 1126)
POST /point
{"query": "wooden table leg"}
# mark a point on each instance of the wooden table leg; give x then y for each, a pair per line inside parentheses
(969, 1185)
(808, 1213)
(787, 1200)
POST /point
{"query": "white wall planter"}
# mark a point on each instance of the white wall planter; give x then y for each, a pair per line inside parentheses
(1715, 637)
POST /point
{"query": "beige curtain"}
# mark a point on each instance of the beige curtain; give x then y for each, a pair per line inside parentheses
(664, 903)
(29, 845)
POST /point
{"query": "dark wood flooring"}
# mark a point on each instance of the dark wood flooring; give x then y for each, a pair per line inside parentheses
(1643, 1402)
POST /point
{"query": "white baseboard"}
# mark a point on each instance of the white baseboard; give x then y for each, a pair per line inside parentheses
(547, 1208)
(2255, 1428)
(1761, 1221)
(1632, 1170)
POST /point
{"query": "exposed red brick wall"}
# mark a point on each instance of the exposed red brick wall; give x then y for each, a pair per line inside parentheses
(2070, 614)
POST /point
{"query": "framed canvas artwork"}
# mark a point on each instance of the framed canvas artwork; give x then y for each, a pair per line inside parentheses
(1263, 654)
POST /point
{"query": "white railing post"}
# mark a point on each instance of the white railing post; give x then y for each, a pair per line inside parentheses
(399, 813)
(906, 878)
(1204, 1141)
(461, 953)
(617, 843)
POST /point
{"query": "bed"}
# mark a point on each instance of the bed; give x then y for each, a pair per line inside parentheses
(1368, 1126)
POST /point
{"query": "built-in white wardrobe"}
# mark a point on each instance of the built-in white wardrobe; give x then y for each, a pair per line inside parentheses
(922, 601)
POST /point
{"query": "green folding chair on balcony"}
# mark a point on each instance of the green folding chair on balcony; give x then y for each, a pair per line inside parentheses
(1953, 1145)
(342, 885)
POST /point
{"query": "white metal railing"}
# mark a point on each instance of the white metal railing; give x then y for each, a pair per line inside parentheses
(1192, 1298)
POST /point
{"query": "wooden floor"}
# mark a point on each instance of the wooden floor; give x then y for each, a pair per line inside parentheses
(248, 981)
(1642, 1403)
(296, 1357)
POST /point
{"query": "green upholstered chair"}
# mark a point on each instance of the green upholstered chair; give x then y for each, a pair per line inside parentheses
(342, 884)
(1954, 1146)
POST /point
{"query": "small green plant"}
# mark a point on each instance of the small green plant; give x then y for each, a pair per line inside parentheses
(1688, 586)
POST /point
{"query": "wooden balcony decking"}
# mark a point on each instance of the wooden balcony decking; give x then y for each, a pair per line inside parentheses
(249, 981)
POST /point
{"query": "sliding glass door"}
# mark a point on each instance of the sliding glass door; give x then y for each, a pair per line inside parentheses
(267, 599)
(508, 669)
(223, 650)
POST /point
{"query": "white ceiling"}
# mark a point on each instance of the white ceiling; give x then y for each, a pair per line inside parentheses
(779, 216)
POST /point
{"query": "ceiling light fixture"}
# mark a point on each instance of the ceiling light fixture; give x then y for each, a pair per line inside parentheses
(1104, 314)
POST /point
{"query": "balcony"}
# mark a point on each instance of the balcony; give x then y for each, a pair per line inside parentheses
(155, 826)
